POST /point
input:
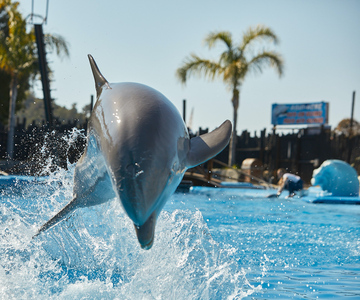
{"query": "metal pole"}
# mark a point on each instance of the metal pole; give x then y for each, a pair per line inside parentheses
(91, 103)
(44, 73)
(352, 114)
(47, 11)
(184, 110)
(350, 140)
(32, 11)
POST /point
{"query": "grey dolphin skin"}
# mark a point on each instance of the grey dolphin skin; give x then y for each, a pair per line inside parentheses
(138, 149)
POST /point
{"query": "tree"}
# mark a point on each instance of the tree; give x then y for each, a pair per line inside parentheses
(34, 113)
(344, 128)
(18, 55)
(237, 61)
(23, 87)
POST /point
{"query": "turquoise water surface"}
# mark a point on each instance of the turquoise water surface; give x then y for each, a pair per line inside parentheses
(233, 244)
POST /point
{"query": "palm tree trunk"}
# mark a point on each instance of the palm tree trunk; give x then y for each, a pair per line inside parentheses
(232, 150)
(13, 96)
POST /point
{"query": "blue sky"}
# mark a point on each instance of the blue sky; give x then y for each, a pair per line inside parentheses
(146, 41)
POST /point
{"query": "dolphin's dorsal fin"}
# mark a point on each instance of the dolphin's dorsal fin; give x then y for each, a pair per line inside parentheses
(100, 80)
(206, 146)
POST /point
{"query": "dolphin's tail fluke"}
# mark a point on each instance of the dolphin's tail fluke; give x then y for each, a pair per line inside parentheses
(58, 217)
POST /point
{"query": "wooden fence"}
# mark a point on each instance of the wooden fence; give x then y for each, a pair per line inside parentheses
(299, 152)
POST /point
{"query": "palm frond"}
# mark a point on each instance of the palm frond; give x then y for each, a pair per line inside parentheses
(16, 47)
(57, 43)
(195, 65)
(214, 37)
(258, 33)
(267, 58)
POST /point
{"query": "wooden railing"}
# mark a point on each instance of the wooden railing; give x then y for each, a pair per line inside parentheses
(207, 174)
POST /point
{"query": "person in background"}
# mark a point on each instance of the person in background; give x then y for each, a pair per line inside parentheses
(2, 173)
(288, 181)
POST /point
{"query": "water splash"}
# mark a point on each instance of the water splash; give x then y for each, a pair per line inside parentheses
(96, 249)
(94, 253)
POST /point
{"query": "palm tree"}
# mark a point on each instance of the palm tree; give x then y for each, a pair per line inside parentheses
(18, 56)
(233, 65)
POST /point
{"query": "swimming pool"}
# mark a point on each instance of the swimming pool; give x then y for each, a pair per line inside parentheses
(218, 244)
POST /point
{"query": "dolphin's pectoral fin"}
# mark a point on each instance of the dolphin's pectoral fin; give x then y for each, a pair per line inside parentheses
(145, 233)
(206, 146)
(59, 216)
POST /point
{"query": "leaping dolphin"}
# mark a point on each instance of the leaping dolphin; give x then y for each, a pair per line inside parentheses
(138, 149)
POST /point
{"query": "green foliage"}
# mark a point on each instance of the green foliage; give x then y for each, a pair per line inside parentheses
(9, 16)
(33, 112)
(234, 64)
(18, 55)
(64, 115)
(237, 60)
(17, 47)
(4, 19)
(344, 127)
(23, 86)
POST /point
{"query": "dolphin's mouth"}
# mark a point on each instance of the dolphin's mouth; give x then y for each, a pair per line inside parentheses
(145, 232)
(148, 245)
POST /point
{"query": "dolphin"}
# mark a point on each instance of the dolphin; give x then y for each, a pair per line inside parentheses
(138, 149)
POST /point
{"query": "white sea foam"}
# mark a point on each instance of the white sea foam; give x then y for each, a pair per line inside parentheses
(94, 254)
(217, 246)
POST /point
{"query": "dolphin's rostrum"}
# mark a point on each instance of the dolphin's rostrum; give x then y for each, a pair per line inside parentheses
(138, 150)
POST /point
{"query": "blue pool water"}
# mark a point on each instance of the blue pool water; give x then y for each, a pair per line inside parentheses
(217, 244)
